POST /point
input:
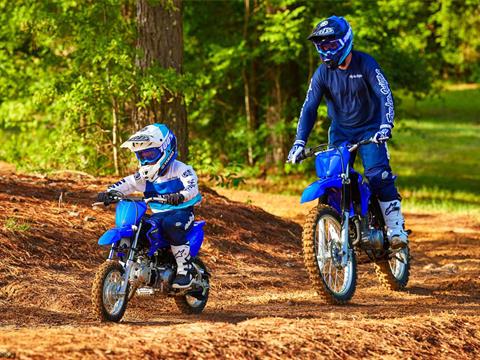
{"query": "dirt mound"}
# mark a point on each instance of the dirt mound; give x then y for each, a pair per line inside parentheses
(261, 303)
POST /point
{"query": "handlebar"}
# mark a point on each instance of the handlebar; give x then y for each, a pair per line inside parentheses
(354, 147)
(309, 152)
(117, 196)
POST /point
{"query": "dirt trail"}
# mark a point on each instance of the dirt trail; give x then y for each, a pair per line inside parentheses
(261, 305)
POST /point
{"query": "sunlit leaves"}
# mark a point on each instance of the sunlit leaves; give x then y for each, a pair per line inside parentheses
(282, 32)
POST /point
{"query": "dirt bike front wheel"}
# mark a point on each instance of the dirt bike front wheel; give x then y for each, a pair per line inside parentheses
(322, 251)
(108, 303)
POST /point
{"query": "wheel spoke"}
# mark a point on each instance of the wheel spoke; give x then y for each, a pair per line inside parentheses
(112, 300)
(329, 273)
(397, 264)
(327, 251)
(336, 278)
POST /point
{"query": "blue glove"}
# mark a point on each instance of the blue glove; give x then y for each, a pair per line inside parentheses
(295, 151)
(382, 135)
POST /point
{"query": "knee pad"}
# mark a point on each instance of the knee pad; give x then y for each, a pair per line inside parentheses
(382, 183)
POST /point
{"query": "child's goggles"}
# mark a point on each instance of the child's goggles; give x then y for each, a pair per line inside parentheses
(149, 156)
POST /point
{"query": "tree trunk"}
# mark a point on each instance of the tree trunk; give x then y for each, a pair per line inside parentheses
(114, 135)
(249, 110)
(160, 41)
(274, 119)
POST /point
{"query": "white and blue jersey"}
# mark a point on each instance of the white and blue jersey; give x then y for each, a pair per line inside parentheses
(178, 178)
(356, 97)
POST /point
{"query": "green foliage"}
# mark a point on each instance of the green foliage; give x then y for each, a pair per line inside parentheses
(282, 33)
(228, 179)
(457, 39)
(67, 67)
(396, 33)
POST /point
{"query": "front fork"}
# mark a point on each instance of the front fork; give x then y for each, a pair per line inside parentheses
(344, 237)
(346, 198)
(129, 262)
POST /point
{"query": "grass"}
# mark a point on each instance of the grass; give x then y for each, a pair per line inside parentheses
(15, 225)
(435, 152)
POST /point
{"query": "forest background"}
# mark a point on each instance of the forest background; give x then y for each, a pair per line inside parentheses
(78, 77)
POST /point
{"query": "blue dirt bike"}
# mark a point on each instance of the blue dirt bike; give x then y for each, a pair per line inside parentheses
(346, 228)
(142, 264)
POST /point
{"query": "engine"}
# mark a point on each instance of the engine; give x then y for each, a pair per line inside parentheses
(145, 273)
(367, 236)
(162, 278)
(373, 238)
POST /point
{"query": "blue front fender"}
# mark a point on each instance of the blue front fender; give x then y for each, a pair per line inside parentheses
(317, 188)
(113, 235)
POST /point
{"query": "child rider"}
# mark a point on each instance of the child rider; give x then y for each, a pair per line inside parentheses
(161, 175)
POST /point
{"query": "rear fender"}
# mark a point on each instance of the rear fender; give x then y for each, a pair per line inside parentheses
(113, 235)
(195, 237)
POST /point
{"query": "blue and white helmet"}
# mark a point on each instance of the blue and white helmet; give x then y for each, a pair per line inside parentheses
(333, 39)
(155, 147)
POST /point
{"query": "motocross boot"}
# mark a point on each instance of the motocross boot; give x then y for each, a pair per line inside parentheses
(392, 214)
(184, 277)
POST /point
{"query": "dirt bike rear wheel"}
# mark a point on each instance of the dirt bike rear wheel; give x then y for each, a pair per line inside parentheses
(394, 273)
(107, 304)
(193, 302)
(317, 254)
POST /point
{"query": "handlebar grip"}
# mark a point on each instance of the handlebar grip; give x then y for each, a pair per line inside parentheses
(301, 157)
(307, 152)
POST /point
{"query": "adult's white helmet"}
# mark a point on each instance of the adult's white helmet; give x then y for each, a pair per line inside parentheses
(155, 147)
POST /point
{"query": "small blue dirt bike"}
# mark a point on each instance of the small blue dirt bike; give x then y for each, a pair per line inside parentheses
(346, 223)
(143, 265)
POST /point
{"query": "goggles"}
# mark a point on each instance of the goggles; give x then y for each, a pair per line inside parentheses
(330, 46)
(325, 46)
(149, 156)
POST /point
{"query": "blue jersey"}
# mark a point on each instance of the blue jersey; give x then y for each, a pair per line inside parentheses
(356, 97)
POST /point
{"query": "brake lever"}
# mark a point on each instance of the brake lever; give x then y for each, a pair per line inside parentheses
(363, 142)
(304, 154)
(159, 199)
